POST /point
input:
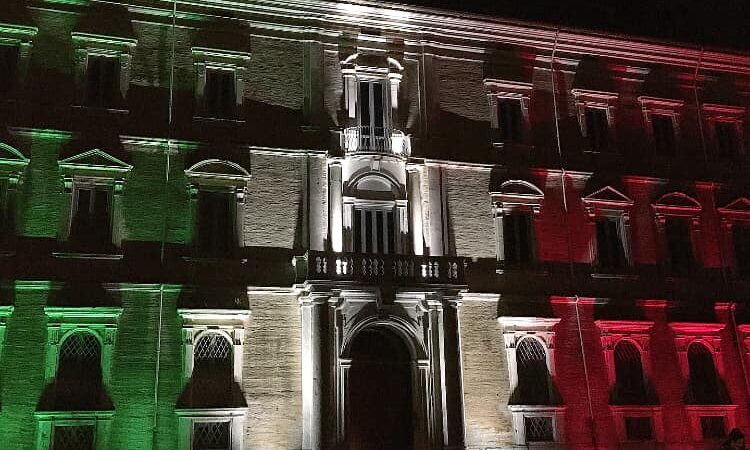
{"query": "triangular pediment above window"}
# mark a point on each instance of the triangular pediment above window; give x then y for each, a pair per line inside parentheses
(95, 160)
(608, 195)
(739, 206)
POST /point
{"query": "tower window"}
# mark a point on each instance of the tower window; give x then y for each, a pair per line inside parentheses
(103, 81)
(372, 115)
(597, 128)
(374, 231)
(517, 239)
(663, 133)
(509, 118)
(220, 95)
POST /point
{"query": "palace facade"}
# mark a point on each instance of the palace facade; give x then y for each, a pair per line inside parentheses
(310, 224)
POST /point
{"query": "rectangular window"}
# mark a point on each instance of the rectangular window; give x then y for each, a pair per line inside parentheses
(725, 139)
(509, 120)
(220, 95)
(712, 427)
(741, 241)
(609, 244)
(103, 81)
(8, 67)
(638, 428)
(374, 231)
(517, 239)
(215, 234)
(597, 128)
(372, 115)
(91, 226)
(73, 437)
(679, 246)
(663, 129)
(211, 436)
(538, 429)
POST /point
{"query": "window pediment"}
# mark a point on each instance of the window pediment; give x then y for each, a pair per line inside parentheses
(738, 209)
(217, 171)
(606, 200)
(94, 161)
(677, 204)
(517, 193)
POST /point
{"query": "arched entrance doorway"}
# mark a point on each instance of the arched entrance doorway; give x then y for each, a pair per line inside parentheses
(380, 400)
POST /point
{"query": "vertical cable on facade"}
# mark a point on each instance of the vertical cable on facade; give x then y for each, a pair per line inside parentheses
(698, 105)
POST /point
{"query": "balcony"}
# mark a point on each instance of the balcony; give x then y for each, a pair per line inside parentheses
(381, 269)
(377, 140)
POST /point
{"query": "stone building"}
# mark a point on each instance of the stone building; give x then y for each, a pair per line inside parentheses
(326, 225)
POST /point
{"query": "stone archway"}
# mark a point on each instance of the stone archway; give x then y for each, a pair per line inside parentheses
(380, 397)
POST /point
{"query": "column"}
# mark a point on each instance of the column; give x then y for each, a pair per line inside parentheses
(312, 372)
(415, 210)
(335, 189)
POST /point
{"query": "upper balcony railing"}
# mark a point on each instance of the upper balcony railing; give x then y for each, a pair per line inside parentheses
(382, 269)
(379, 140)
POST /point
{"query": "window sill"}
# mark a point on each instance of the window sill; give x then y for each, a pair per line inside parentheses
(80, 255)
(530, 269)
(613, 275)
(102, 109)
(224, 120)
(215, 259)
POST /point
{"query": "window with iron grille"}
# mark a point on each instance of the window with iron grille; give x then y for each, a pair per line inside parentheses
(213, 370)
(73, 437)
(630, 387)
(8, 67)
(79, 358)
(103, 81)
(712, 427)
(211, 436)
(538, 429)
(725, 139)
(741, 241)
(533, 377)
(610, 251)
(703, 383)
(91, 226)
(679, 246)
(662, 126)
(597, 128)
(220, 95)
(510, 120)
(215, 233)
(638, 429)
(517, 239)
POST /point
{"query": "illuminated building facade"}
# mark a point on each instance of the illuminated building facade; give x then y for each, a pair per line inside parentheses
(319, 225)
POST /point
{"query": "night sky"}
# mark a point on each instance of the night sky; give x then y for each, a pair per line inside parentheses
(712, 23)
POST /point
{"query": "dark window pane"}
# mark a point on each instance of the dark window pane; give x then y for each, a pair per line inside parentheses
(211, 436)
(597, 128)
(638, 428)
(358, 231)
(712, 427)
(726, 139)
(610, 250)
(538, 429)
(103, 81)
(8, 65)
(630, 386)
(663, 128)
(533, 379)
(215, 233)
(91, 228)
(679, 246)
(509, 120)
(703, 384)
(380, 231)
(741, 238)
(219, 93)
(517, 238)
(73, 437)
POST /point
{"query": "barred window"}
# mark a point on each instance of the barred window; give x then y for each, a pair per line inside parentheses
(538, 429)
(703, 384)
(213, 361)
(533, 378)
(712, 427)
(211, 436)
(76, 437)
(638, 428)
(630, 388)
(80, 358)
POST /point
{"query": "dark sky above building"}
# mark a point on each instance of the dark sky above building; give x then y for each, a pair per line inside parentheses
(712, 23)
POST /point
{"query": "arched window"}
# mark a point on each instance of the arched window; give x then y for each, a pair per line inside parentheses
(80, 358)
(630, 388)
(213, 369)
(533, 377)
(703, 384)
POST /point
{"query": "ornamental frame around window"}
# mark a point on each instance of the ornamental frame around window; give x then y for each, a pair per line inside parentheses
(228, 323)
(695, 412)
(520, 412)
(47, 421)
(21, 37)
(619, 208)
(708, 334)
(186, 418)
(205, 59)
(651, 106)
(87, 44)
(218, 175)
(586, 99)
(515, 196)
(612, 332)
(714, 113)
(685, 208)
(12, 168)
(62, 322)
(93, 168)
(502, 90)
(736, 211)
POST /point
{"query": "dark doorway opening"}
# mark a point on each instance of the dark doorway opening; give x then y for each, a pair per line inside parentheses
(380, 393)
